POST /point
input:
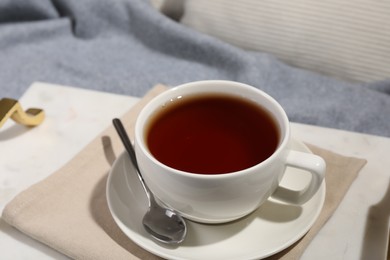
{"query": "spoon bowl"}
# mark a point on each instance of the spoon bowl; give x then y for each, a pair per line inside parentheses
(162, 223)
(171, 233)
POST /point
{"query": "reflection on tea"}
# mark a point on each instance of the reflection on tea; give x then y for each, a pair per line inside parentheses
(212, 134)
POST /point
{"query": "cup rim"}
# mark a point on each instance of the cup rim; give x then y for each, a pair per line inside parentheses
(166, 95)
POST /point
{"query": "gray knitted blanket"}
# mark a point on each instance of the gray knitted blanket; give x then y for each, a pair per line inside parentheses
(126, 47)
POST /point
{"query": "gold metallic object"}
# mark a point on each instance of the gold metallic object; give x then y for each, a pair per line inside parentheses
(10, 108)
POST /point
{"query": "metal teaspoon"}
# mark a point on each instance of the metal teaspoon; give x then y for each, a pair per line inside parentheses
(163, 224)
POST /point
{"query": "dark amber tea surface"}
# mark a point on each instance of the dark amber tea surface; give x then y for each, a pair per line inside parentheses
(212, 134)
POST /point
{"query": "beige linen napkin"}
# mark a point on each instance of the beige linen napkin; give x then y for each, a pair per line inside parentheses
(68, 210)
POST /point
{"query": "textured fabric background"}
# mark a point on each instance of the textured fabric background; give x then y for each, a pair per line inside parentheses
(126, 47)
(348, 39)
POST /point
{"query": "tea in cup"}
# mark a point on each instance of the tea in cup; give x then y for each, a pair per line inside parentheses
(216, 150)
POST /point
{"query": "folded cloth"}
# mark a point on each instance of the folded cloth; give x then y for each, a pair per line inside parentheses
(68, 210)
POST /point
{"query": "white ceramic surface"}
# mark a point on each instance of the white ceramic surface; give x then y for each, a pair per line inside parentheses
(220, 198)
(357, 229)
(268, 230)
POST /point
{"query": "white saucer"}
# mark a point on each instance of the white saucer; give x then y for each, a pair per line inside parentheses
(270, 229)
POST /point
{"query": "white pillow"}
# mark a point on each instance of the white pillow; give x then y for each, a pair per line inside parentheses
(349, 39)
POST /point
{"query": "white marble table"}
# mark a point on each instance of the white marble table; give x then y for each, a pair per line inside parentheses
(357, 230)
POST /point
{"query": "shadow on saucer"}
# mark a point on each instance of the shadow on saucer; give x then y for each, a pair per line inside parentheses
(278, 212)
(376, 232)
(271, 211)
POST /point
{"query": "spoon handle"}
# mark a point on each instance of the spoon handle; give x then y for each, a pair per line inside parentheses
(125, 140)
(130, 150)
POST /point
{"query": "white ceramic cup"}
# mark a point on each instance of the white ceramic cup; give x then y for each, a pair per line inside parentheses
(219, 198)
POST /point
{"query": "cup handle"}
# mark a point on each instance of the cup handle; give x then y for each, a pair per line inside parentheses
(305, 161)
